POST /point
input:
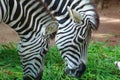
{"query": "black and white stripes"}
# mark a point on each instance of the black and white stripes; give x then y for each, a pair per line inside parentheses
(32, 21)
(76, 19)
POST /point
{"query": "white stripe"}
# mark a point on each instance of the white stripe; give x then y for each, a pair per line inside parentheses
(18, 19)
(0, 15)
(14, 10)
(4, 8)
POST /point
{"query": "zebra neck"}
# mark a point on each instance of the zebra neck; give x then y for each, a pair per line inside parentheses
(46, 7)
(0, 15)
(3, 10)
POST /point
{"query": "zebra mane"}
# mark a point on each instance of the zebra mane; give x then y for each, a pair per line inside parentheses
(45, 6)
(52, 36)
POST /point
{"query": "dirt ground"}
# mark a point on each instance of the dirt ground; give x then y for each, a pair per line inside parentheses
(109, 29)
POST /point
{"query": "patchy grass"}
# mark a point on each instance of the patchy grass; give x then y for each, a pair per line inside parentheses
(10, 67)
(100, 64)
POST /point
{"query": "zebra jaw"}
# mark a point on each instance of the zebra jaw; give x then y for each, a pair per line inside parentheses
(74, 15)
(50, 28)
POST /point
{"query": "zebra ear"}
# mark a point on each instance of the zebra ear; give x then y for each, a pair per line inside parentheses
(50, 28)
(74, 15)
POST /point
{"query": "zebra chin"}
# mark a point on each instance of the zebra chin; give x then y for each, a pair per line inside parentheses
(29, 77)
(77, 72)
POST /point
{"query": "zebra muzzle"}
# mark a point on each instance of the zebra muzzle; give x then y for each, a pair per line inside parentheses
(76, 72)
(29, 77)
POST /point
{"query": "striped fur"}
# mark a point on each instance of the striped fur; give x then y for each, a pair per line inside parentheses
(30, 19)
(72, 37)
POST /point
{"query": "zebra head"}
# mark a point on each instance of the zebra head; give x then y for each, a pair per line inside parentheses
(34, 62)
(72, 41)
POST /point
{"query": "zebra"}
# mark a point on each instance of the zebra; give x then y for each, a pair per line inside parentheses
(77, 19)
(34, 23)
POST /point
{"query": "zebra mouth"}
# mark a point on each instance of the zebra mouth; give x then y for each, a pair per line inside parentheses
(77, 72)
(29, 77)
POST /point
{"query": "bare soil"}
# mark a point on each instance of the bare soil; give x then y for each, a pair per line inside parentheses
(109, 29)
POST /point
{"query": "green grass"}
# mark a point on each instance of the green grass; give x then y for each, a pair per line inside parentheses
(100, 65)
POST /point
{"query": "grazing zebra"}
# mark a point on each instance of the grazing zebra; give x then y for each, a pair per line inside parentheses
(33, 23)
(77, 18)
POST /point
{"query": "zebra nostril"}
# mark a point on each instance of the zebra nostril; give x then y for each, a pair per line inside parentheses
(80, 70)
(66, 71)
(39, 77)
